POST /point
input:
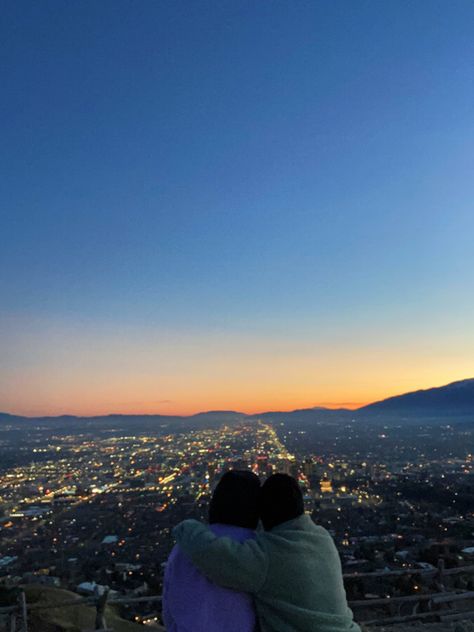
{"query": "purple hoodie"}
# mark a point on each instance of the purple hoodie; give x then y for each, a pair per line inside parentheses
(192, 603)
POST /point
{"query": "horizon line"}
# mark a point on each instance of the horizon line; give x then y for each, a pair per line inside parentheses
(342, 406)
(351, 406)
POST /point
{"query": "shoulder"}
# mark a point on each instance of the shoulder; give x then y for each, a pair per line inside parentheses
(300, 531)
(321, 532)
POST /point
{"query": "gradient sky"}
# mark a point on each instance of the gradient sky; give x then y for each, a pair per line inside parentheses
(240, 205)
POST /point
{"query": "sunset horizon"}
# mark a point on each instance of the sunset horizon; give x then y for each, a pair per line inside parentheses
(168, 408)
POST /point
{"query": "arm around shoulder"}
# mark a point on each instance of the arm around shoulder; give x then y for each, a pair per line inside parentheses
(240, 566)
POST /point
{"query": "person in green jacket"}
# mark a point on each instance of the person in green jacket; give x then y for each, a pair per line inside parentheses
(292, 568)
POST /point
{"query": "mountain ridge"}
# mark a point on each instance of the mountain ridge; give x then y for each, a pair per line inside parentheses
(455, 398)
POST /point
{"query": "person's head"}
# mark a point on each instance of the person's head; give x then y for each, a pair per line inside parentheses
(280, 500)
(235, 500)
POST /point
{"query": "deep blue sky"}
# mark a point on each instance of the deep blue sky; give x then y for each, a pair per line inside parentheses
(220, 174)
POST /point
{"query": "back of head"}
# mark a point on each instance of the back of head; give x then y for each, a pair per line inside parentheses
(235, 500)
(281, 500)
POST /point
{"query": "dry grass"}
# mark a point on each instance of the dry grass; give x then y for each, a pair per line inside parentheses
(70, 618)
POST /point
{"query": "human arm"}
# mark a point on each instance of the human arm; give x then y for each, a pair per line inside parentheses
(240, 566)
(168, 619)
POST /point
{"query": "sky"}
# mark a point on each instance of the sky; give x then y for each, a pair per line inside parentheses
(234, 205)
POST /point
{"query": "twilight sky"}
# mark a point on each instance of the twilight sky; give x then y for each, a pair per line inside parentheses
(240, 205)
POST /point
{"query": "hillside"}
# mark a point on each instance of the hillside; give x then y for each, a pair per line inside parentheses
(455, 399)
(70, 618)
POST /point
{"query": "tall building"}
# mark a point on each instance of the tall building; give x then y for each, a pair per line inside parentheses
(325, 485)
(308, 468)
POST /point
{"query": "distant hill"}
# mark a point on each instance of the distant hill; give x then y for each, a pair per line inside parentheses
(453, 400)
(303, 415)
(207, 419)
(222, 416)
(6, 417)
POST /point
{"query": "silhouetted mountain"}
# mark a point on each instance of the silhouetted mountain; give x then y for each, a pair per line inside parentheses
(453, 400)
(306, 415)
(115, 422)
(6, 417)
(222, 415)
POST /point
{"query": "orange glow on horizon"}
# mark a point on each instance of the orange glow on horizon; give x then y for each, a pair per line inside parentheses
(104, 371)
(165, 408)
(135, 398)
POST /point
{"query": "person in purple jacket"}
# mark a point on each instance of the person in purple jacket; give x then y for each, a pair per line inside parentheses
(192, 603)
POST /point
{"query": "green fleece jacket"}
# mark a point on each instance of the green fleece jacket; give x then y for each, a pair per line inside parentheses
(293, 572)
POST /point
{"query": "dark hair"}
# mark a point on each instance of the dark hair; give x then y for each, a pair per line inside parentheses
(280, 500)
(235, 500)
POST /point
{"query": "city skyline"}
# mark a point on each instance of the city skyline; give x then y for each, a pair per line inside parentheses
(232, 205)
